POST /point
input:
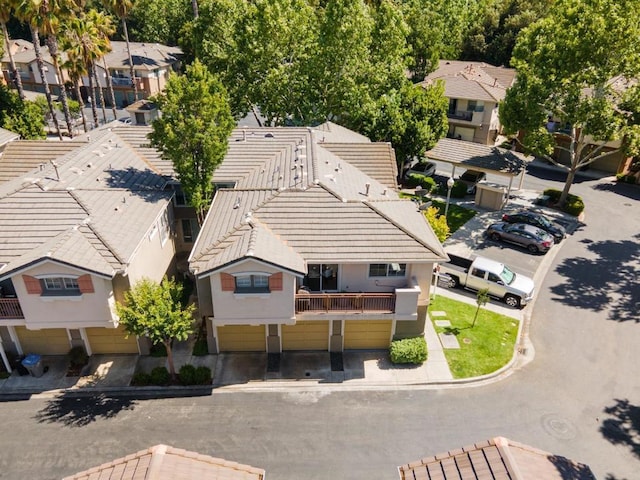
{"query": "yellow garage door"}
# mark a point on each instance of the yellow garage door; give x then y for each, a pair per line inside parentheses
(111, 340)
(363, 335)
(306, 336)
(49, 341)
(241, 338)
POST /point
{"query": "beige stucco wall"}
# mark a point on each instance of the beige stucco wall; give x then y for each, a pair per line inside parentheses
(86, 310)
(152, 258)
(274, 307)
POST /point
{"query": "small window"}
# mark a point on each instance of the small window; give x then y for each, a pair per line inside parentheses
(60, 286)
(164, 226)
(476, 272)
(387, 269)
(494, 278)
(472, 105)
(252, 284)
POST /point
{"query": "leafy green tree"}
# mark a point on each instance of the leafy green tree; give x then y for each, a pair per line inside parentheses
(438, 223)
(482, 298)
(20, 116)
(492, 35)
(193, 131)
(577, 72)
(159, 22)
(154, 310)
(425, 38)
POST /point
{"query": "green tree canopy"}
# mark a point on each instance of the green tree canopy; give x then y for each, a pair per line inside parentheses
(20, 116)
(581, 74)
(154, 310)
(193, 131)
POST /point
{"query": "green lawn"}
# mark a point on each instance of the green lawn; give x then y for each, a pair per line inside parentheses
(456, 216)
(484, 348)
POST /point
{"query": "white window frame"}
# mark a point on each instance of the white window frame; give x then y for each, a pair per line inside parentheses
(397, 270)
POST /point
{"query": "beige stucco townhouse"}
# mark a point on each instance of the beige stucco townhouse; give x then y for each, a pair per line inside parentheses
(76, 232)
(474, 91)
(310, 247)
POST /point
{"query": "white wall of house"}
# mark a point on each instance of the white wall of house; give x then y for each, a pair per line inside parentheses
(50, 73)
(231, 308)
(154, 254)
(78, 311)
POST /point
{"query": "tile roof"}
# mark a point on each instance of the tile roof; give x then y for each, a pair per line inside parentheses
(7, 136)
(376, 159)
(90, 208)
(163, 462)
(308, 203)
(478, 156)
(27, 155)
(145, 56)
(498, 458)
(473, 80)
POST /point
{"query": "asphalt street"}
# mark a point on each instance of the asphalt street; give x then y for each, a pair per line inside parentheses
(579, 397)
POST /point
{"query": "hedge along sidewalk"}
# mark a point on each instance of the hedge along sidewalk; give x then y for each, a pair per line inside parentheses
(486, 347)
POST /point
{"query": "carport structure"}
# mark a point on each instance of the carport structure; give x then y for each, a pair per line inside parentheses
(483, 158)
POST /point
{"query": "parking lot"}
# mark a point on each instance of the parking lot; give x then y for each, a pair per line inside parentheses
(470, 240)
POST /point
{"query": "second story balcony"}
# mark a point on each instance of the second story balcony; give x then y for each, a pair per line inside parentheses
(10, 309)
(460, 115)
(345, 302)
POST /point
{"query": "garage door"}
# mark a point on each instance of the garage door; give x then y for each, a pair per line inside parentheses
(241, 338)
(111, 340)
(306, 336)
(362, 335)
(50, 341)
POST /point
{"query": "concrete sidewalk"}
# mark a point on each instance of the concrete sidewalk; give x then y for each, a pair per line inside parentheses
(361, 369)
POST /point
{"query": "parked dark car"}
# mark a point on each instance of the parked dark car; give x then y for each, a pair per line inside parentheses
(532, 238)
(537, 220)
(471, 178)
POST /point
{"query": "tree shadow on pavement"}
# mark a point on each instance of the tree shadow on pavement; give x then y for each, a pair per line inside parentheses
(79, 411)
(608, 281)
(623, 425)
(571, 470)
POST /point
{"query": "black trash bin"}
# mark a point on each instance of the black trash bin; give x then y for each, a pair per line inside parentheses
(33, 363)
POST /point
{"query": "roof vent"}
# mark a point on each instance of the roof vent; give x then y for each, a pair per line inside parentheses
(237, 204)
(269, 135)
(55, 167)
(367, 186)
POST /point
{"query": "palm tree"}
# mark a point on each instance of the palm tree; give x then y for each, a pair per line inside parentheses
(105, 29)
(6, 6)
(121, 9)
(85, 44)
(28, 11)
(194, 7)
(76, 68)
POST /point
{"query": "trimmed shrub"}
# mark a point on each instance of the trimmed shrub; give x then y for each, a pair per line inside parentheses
(427, 183)
(141, 379)
(574, 205)
(160, 376)
(200, 347)
(408, 350)
(187, 374)
(77, 356)
(459, 190)
(202, 376)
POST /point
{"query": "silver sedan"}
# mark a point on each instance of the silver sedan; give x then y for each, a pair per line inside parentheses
(532, 238)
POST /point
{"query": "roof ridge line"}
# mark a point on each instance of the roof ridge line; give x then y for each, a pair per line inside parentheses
(105, 243)
(368, 203)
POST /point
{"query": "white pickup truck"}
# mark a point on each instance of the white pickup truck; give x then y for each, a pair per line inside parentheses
(514, 289)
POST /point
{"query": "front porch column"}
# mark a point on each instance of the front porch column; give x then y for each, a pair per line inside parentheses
(15, 340)
(336, 341)
(273, 338)
(212, 345)
(5, 360)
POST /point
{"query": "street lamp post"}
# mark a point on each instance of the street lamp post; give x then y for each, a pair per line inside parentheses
(450, 182)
